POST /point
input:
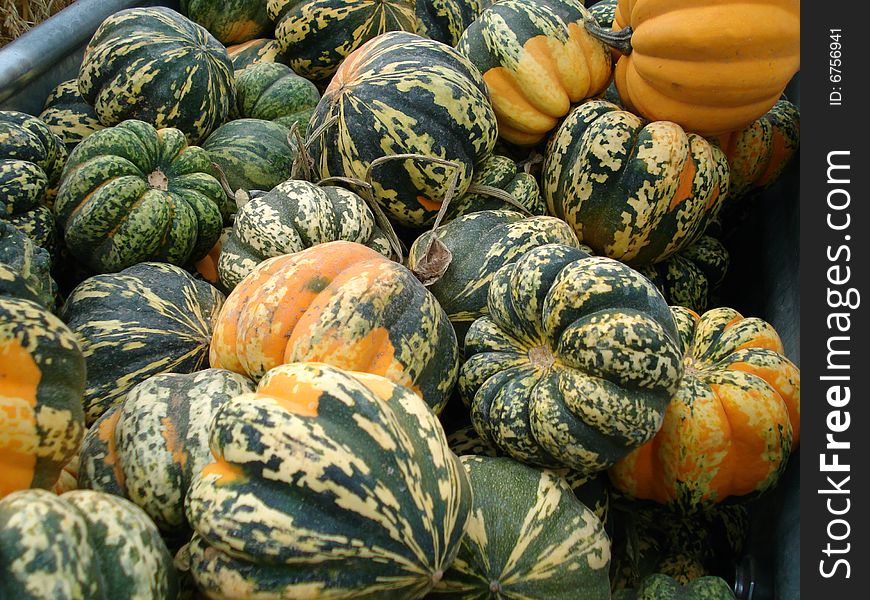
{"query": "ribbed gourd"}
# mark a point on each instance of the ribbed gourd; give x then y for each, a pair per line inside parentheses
(528, 537)
(254, 52)
(317, 35)
(252, 154)
(537, 60)
(149, 447)
(634, 191)
(445, 20)
(504, 174)
(274, 92)
(733, 422)
(344, 304)
(575, 363)
(81, 544)
(31, 160)
(160, 67)
(148, 319)
(326, 483)
(132, 193)
(42, 379)
(68, 115)
(26, 268)
(397, 94)
(293, 216)
(230, 21)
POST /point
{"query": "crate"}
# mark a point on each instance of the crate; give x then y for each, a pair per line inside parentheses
(763, 280)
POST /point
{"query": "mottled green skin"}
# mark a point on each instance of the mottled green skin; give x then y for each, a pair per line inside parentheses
(294, 216)
(132, 193)
(662, 587)
(353, 493)
(157, 442)
(575, 363)
(691, 277)
(273, 92)
(252, 153)
(149, 319)
(445, 20)
(528, 537)
(40, 226)
(21, 256)
(31, 160)
(499, 172)
(604, 12)
(68, 115)
(82, 544)
(481, 243)
(157, 66)
(317, 35)
(51, 429)
(254, 52)
(624, 185)
(405, 94)
(230, 21)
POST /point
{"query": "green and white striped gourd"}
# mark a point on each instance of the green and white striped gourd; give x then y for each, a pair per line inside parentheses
(32, 264)
(326, 483)
(68, 115)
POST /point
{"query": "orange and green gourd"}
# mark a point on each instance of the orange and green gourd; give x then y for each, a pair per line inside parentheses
(157, 66)
(344, 304)
(326, 483)
(575, 363)
(537, 60)
(293, 216)
(403, 94)
(632, 190)
(733, 422)
(149, 447)
(149, 319)
(68, 115)
(709, 66)
(81, 544)
(528, 537)
(230, 21)
(42, 379)
(31, 160)
(758, 153)
(132, 193)
(317, 35)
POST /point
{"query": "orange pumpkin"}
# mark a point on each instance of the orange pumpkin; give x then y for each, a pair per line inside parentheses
(712, 66)
(343, 304)
(733, 422)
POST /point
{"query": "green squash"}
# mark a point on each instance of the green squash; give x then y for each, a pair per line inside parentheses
(254, 52)
(499, 172)
(273, 92)
(42, 378)
(528, 537)
(662, 587)
(634, 191)
(149, 447)
(317, 35)
(481, 243)
(576, 362)
(252, 154)
(148, 319)
(604, 12)
(132, 193)
(401, 93)
(68, 115)
(31, 264)
(81, 544)
(31, 160)
(294, 216)
(692, 276)
(158, 66)
(445, 20)
(230, 21)
(326, 483)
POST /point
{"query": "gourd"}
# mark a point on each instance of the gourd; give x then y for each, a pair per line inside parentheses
(26, 268)
(662, 587)
(230, 21)
(504, 174)
(445, 20)
(326, 483)
(273, 92)
(254, 52)
(68, 115)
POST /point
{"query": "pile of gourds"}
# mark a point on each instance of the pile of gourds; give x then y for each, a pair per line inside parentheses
(413, 298)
